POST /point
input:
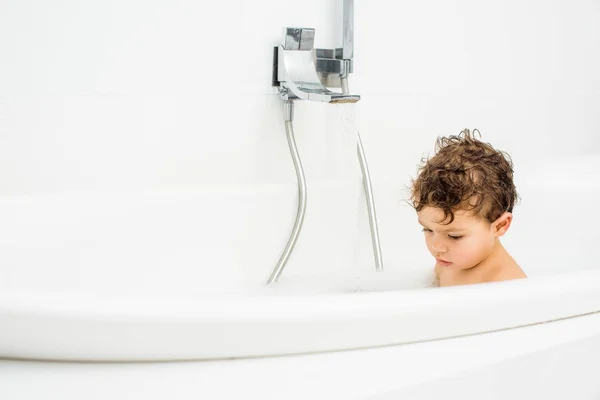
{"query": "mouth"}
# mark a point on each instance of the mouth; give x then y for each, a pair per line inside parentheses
(443, 263)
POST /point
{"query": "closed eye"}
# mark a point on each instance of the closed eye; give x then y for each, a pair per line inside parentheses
(426, 230)
(455, 237)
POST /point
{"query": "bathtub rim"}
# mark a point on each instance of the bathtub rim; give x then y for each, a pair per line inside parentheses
(69, 327)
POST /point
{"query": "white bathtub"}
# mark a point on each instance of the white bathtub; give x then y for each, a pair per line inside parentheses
(102, 308)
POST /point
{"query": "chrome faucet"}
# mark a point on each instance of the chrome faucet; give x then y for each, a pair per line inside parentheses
(301, 72)
(305, 73)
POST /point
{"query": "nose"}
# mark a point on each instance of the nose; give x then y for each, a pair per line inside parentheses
(438, 245)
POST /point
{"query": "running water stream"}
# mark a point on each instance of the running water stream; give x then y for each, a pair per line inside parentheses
(350, 134)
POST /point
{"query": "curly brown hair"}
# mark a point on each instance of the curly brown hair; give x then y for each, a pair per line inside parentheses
(465, 174)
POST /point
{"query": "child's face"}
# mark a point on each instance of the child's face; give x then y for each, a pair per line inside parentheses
(464, 243)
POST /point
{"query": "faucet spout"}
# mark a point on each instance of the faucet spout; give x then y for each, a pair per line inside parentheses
(299, 80)
(340, 99)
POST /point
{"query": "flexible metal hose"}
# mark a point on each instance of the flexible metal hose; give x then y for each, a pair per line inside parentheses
(288, 110)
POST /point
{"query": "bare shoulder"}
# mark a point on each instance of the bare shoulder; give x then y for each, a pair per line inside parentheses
(511, 272)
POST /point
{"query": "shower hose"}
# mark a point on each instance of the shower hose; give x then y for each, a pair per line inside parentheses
(288, 116)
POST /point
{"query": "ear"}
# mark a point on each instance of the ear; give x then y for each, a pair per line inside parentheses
(501, 225)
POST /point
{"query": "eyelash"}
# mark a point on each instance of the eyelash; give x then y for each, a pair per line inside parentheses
(451, 237)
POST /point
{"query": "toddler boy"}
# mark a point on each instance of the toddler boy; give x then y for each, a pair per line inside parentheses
(464, 196)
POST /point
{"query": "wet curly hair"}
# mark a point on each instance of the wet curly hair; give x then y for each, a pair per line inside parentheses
(465, 174)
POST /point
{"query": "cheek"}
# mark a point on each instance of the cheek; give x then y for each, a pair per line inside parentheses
(429, 242)
(473, 249)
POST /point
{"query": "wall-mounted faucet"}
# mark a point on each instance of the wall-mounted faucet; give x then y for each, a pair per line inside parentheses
(302, 72)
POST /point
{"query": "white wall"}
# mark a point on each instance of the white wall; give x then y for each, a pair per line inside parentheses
(135, 96)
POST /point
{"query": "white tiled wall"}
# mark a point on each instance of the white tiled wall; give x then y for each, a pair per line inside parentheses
(136, 95)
